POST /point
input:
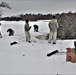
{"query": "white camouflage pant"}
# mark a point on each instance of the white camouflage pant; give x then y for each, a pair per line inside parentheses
(27, 36)
(52, 36)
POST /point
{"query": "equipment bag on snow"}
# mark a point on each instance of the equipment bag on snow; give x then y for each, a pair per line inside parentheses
(70, 55)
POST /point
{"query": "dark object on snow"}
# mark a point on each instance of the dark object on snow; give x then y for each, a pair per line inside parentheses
(49, 54)
(0, 31)
(35, 28)
(13, 43)
(0, 35)
(75, 44)
(11, 32)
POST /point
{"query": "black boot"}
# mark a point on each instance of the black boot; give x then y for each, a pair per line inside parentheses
(29, 41)
(54, 43)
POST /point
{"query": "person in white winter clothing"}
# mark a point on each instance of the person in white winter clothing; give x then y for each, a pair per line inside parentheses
(53, 25)
(27, 28)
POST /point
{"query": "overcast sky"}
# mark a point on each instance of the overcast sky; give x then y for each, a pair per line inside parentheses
(39, 6)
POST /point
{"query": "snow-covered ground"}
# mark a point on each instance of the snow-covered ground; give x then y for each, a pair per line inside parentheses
(31, 58)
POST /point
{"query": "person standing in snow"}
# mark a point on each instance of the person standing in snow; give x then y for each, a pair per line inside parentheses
(53, 25)
(0, 31)
(27, 28)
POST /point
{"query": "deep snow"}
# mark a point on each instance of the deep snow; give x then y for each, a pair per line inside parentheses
(31, 58)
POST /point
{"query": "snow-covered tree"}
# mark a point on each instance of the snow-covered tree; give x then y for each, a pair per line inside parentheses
(3, 6)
